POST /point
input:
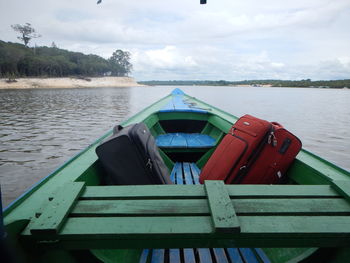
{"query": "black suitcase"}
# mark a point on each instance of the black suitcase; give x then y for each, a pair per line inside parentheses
(131, 157)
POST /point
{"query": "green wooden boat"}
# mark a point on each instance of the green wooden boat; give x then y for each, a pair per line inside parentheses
(70, 217)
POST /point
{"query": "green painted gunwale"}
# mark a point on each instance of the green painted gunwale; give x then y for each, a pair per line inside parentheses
(308, 168)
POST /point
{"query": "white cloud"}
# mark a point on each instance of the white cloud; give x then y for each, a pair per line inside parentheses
(205, 62)
(224, 39)
(160, 61)
(277, 65)
(345, 61)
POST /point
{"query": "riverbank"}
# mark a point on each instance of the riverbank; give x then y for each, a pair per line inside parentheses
(32, 83)
(329, 84)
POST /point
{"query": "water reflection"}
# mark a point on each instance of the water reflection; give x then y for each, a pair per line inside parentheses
(40, 129)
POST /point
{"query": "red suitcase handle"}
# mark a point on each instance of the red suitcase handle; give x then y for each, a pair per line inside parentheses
(274, 123)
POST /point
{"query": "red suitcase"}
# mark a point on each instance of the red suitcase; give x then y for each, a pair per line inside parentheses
(254, 152)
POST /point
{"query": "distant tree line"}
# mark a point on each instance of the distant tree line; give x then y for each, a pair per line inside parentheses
(18, 60)
(304, 83)
(307, 83)
(186, 82)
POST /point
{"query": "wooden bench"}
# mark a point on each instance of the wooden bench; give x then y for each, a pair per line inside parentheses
(188, 174)
(192, 216)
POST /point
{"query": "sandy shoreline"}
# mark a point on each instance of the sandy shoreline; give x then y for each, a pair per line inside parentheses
(32, 83)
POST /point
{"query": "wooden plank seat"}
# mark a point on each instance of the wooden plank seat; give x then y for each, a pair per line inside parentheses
(185, 140)
(188, 173)
(183, 216)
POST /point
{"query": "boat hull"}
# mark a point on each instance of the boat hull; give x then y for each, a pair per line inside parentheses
(174, 114)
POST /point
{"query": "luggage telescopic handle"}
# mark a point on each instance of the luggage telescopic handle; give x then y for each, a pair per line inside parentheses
(277, 124)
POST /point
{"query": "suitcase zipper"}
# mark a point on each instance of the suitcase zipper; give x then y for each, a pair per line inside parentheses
(242, 154)
(149, 163)
(269, 138)
(146, 160)
(272, 138)
(152, 166)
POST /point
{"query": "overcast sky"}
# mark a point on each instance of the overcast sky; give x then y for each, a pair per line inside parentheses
(181, 39)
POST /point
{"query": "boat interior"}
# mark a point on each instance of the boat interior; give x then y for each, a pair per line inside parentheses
(193, 137)
(187, 132)
(186, 142)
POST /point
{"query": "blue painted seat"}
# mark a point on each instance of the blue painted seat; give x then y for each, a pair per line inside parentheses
(188, 173)
(185, 140)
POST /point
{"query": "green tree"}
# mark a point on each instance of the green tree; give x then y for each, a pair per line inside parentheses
(19, 60)
(26, 32)
(120, 63)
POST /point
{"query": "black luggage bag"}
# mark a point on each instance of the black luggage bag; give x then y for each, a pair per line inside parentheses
(131, 157)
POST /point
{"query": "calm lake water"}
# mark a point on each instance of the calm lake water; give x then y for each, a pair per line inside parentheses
(40, 129)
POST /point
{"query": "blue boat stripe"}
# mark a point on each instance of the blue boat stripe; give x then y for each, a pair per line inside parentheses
(173, 172)
(158, 256)
(178, 104)
(179, 140)
(174, 255)
(189, 255)
(179, 178)
(195, 173)
(144, 256)
(187, 173)
(185, 140)
(248, 255)
(164, 140)
(204, 255)
(177, 91)
(234, 255)
(220, 255)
